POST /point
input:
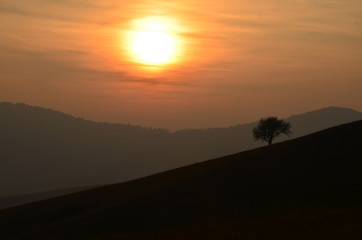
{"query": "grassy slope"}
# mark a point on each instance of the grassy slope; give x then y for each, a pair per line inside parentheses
(293, 185)
(12, 201)
(334, 225)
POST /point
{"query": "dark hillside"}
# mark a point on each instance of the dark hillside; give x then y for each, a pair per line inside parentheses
(307, 188)
(7, 202)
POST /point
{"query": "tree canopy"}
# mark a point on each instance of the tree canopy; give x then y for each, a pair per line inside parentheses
(270, 128)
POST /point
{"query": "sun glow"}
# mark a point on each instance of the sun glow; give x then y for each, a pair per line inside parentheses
(153, 41)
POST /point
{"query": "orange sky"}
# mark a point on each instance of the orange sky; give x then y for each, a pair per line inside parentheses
(239, 60)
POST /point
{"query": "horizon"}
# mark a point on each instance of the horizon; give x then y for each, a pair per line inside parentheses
(181, 129)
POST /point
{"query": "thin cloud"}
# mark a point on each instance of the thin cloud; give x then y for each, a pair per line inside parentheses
(64, 12)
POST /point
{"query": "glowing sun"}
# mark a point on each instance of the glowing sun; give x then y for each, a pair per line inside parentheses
(153, 41)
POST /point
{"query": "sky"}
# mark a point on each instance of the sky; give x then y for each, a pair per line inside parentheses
(234, 61)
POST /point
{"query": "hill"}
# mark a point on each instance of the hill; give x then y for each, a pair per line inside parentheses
(42, 149)
(7, 202)
(306, 188)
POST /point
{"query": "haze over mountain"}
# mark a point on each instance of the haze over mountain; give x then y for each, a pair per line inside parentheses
(43, 149)
(306, 188)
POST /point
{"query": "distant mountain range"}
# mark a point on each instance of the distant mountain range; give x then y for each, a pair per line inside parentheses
(42, 149)
(306, 188)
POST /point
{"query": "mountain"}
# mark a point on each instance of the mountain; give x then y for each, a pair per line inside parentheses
(42, 149)
(305, 188)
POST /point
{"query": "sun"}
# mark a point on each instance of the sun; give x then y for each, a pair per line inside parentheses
(153, 41)
(153, 47)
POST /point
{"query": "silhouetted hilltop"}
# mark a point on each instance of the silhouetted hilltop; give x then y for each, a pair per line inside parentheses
(306, 188)
(43, 149)
(313, 121)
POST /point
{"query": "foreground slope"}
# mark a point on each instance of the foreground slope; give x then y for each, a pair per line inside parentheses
(7, 202)
(307, 188)
(42, 149)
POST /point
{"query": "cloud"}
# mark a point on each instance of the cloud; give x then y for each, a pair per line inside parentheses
(66, 11)
(49, 67)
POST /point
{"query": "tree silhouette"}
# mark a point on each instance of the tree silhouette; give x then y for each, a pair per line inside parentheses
(270, 128)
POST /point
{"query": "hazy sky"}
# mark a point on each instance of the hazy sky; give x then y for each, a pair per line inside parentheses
(236, 60)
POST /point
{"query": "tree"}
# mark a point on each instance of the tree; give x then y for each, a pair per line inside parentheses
(270, 128)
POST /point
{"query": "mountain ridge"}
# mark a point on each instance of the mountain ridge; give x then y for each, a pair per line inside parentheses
(40, 150)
